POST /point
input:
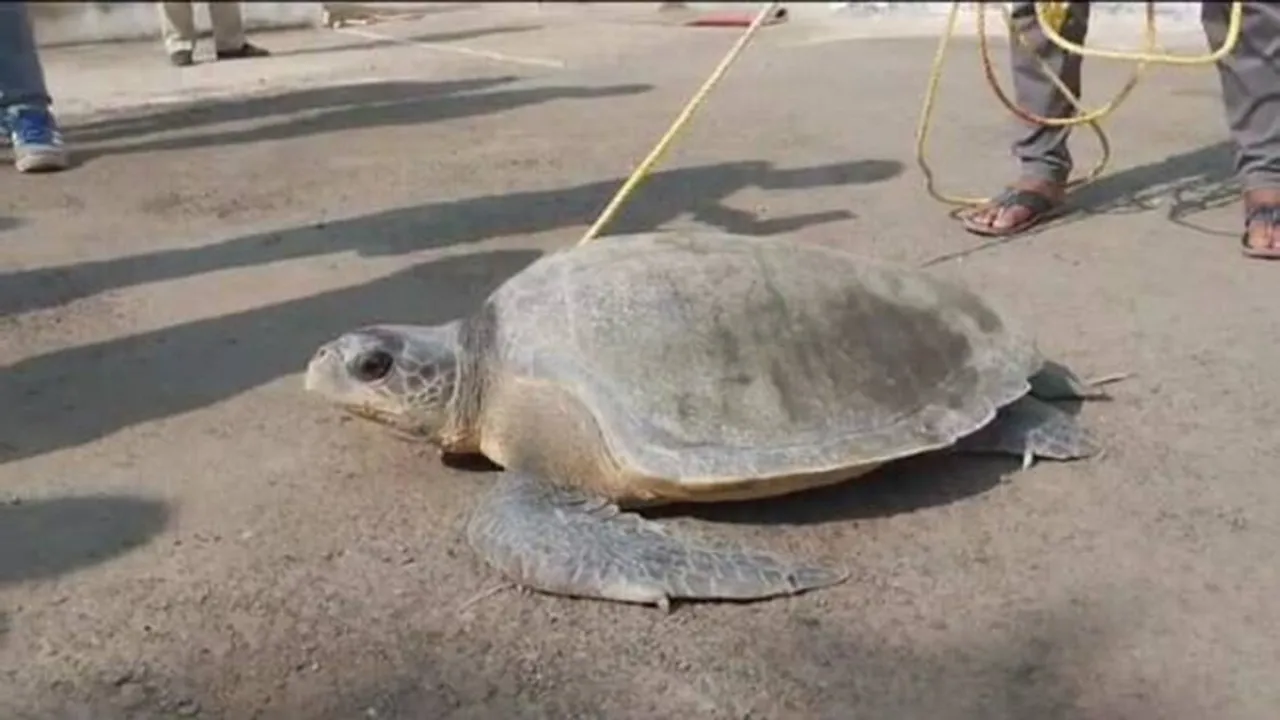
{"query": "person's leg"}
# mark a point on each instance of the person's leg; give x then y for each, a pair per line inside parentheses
(228, 32)
(24, 98)
(1250, 78)
(178, 29)
(1042, 154)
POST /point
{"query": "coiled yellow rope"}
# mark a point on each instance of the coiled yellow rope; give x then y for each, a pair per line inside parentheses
(1051, 16)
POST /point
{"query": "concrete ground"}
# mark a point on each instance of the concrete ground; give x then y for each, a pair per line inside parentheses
(184, 533)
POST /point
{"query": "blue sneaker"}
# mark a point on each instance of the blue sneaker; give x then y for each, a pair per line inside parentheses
(36, 139)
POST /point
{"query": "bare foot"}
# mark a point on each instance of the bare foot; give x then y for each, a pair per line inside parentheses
(1262, 234)
(1007, 212)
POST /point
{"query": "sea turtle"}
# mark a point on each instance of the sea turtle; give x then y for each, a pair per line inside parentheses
(693, 366)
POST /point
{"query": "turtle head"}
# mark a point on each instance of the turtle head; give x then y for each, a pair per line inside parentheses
(401, 376)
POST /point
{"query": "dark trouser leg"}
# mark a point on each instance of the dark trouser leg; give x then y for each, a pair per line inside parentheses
(1042, 151)
(21, 75)
(1250, 77)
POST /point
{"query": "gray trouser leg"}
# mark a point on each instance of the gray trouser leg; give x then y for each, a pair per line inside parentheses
(21, 76)
(1042, 151)
(177, 26)
(1250, 77)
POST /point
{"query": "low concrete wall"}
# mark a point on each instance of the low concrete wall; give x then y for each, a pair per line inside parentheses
(63, 23)
(1171, 14)
(60, 23)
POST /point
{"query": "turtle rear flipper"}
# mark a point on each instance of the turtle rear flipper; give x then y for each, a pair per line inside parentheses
(1032, 428)
(561, 541)
(1056, 381)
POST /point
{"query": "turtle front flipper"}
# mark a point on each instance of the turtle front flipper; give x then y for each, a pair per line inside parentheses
(1032, 428)
(561, 541)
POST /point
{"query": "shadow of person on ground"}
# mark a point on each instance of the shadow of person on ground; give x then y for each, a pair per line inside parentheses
(65, 398)
(202, 113)
(73, 396)
(344, 107)
(1200, 172)
(668, 194)
(41, 539)
(1196, 180)
(439, 38)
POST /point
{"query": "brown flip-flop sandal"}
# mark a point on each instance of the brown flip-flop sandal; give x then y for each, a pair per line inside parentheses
(1042, 208)
(1269, 214)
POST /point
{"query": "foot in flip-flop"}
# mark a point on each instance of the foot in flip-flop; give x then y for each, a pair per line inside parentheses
(1018, 208)
(1261, 237)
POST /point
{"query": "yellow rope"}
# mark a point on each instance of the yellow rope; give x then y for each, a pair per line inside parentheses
(1083, 117)
(1234, 21)
(1051, 16)
(642, 170)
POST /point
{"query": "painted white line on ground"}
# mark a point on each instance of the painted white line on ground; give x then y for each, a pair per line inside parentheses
(458, 49)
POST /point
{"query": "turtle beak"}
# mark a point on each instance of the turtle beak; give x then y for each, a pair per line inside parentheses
(322, 370)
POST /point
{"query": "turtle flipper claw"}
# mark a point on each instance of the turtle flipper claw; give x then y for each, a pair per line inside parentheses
(557, 540)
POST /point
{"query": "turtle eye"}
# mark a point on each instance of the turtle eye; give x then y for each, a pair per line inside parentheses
(373, 365)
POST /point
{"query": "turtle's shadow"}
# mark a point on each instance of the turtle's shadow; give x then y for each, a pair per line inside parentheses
(469, 463)
(928, 480)
(905, 485)
(914, 483)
